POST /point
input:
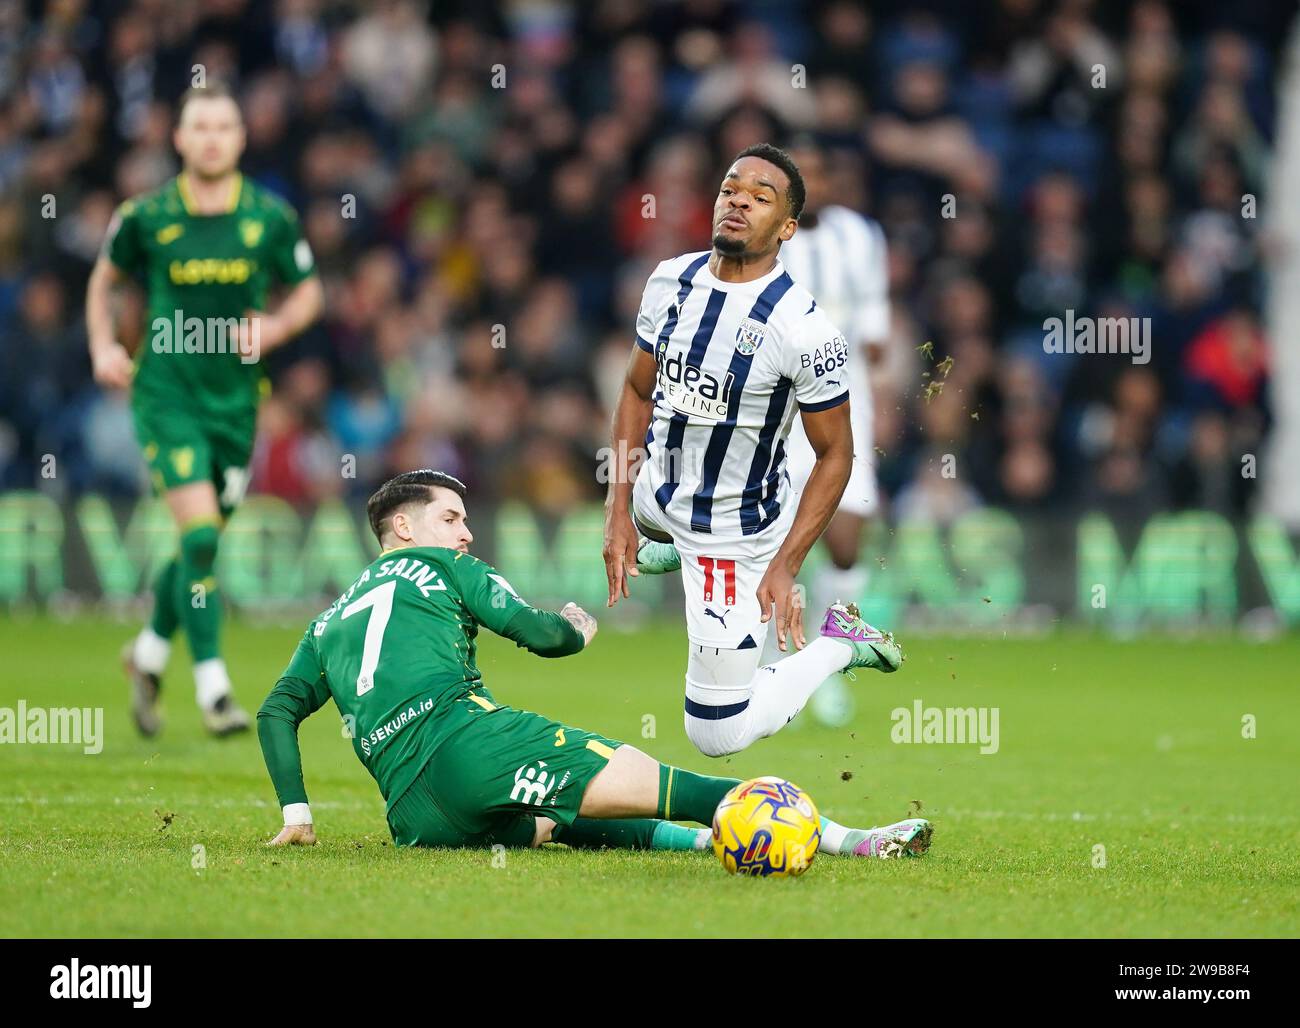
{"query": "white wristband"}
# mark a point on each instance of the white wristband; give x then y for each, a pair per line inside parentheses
(297, 814)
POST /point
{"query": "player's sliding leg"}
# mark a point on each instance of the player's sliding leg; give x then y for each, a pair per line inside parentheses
(516, 779)
(906, 838)
(199, 602)
(641, 833)
(145, 656)
(633, 783)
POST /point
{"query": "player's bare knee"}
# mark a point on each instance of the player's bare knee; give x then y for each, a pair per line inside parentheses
(843, 551)
(843, 540)
(627, 786)
(843, 559)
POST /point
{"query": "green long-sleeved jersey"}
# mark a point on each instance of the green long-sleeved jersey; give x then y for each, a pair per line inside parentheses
(397, 653)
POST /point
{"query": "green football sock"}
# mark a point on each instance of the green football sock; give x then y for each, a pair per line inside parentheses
(615, 833)
(669, 836)
(197, 599)
(686, 796)
(640, 833)
(166, 618)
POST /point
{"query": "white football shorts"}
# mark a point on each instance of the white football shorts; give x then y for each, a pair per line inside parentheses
(720, 577)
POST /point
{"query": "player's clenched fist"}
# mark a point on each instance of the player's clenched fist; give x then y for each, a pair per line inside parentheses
(581, 620)
(295, 835)
(112, 365)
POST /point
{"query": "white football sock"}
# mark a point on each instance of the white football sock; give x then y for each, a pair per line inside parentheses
(211, 682)
(150, 651)
(781, 689)
(840, 840)
(833, 836)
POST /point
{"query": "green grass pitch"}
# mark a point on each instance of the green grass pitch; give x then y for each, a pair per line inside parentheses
(1135, 746)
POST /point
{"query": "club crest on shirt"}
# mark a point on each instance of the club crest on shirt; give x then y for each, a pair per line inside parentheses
(251, 232)
(749, 336)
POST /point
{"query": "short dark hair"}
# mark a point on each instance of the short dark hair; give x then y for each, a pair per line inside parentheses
(408, 487)
(796, 195)
(214, 90)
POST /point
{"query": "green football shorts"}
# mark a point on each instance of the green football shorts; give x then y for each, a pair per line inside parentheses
(180, 448)
(487, 783)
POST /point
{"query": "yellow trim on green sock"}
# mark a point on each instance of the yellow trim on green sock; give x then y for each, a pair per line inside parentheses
(200, 522)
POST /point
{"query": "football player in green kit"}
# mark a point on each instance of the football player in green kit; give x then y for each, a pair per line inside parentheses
(206, 247)
(396, 653)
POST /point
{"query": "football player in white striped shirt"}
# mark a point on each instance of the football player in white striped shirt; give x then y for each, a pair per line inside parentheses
(839, 256)
(729, 349)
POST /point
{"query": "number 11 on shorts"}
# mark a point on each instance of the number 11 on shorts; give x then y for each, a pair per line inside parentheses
(728, 569)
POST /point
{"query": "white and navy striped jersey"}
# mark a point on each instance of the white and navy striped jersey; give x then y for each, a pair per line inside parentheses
(735, 361)
(843, 262)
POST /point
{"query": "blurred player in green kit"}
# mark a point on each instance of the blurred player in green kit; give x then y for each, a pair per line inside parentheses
(206, 247)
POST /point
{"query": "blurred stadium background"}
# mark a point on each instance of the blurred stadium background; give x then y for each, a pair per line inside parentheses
(442, 209)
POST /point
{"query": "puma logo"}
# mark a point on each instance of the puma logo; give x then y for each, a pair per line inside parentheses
(720, 617)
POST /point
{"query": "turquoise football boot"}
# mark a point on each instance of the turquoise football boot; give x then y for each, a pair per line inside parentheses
(654, 558)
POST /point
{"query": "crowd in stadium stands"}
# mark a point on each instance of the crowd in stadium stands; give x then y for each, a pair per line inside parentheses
(487, 186)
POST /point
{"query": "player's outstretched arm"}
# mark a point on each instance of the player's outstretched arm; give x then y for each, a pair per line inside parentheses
(497, 607)
(299, 693)
(631, 419)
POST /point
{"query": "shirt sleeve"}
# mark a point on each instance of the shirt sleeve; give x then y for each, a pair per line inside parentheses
(300, 692)
(816, 359)
(123, 244)
(652, 305)
(495, 605)
(290, 257)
